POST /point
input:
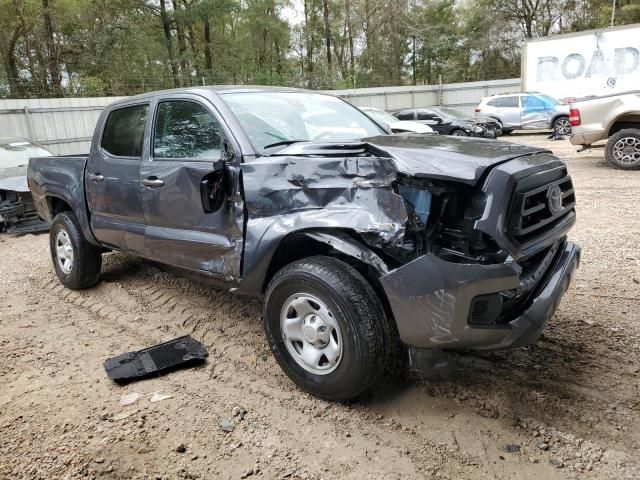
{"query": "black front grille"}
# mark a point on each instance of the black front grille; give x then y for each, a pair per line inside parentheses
(533, 213)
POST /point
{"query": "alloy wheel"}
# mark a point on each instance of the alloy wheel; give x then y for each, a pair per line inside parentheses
(627, 150)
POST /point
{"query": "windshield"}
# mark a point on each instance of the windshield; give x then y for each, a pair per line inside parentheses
(269, 118)
(17, 153)
(382, 117)
(451, 113)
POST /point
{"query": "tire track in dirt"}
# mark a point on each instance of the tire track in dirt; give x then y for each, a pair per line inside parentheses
(163, 306)
(111, 314)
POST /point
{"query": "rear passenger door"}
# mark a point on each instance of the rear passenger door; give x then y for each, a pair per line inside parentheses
(507, 110)
(192, 207)
(112, 179)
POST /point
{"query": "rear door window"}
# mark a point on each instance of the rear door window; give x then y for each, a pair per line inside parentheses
(405, 116)
(124, 131)
(186, 130)
(504, 102)
(426, 115)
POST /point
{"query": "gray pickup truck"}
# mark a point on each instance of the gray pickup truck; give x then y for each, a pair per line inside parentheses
(362, 243)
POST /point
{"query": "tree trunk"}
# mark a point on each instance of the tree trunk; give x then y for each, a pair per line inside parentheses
(327, 31)
(208, 57)
(52, 51)
(167, 37)
(347, 11)
(182, 43)
(8, 49)
(9, 63)
(413, 60)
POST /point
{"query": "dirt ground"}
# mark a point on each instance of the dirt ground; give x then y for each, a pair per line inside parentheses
(567, 407)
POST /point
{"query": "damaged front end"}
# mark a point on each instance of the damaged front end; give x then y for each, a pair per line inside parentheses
(467, 238)
(484, 266)
(18, 213)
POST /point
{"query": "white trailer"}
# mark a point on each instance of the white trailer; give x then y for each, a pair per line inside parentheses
(574, 65)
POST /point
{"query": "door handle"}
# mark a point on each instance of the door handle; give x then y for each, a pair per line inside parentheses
(152, 182)
(96, 177)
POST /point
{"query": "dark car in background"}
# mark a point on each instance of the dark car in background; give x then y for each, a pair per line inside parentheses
(449, 121)
(17, 212)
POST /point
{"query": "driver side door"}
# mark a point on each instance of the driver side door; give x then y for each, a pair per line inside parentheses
(192, 207)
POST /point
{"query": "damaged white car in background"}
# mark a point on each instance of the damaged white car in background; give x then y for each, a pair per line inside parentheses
(17, 211)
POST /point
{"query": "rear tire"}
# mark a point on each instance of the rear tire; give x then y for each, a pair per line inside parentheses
(561, 126)
(333, 297)
(623, 149)
(76, 261)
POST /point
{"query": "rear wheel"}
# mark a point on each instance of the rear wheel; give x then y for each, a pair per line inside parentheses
(623, 149)
(77, 262)
(561, 126)
(326, 328)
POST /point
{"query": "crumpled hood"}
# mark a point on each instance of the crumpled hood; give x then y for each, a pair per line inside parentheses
(447, 157)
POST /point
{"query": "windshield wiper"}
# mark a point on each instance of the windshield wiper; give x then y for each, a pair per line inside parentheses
(284, 142)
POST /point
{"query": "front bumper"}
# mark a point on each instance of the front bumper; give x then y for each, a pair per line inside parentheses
(487, 133)
(431, 301)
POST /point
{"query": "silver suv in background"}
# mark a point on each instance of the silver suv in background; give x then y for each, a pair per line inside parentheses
(526, 111)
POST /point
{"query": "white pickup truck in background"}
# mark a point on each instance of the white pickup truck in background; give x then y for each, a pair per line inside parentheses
(613, 117)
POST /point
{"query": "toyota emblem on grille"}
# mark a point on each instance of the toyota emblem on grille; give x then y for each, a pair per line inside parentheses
(554, 199)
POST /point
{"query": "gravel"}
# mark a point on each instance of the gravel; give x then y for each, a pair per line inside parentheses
(575, 391)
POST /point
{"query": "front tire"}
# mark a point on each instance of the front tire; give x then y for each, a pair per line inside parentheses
(326, 328)
(623, 149)
(459, 133)
(76, 261)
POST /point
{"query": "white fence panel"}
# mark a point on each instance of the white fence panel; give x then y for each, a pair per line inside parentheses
(65, 125)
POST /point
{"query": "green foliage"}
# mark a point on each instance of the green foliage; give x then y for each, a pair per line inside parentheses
(123, 47)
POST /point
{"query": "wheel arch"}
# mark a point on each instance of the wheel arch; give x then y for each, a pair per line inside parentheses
(624, 121)
(56, 205)
(557, 116)
(339, 243)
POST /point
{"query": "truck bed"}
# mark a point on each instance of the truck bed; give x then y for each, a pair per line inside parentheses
(61, 177)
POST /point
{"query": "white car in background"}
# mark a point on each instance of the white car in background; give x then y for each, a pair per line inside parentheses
(396, 126)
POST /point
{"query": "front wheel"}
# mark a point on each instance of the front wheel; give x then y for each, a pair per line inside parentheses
(623, 149)
(459, 133)
(562, 126)
(326, 328)
(76, 261)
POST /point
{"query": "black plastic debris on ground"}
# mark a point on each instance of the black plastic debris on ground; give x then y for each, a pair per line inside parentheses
(177, 353)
